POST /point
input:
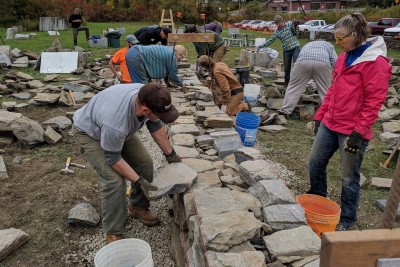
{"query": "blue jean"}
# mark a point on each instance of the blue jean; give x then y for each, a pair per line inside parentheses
(326, 143)
(134, 62)
(288, 56)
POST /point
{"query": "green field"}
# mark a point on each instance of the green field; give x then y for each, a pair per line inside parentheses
(43, 41)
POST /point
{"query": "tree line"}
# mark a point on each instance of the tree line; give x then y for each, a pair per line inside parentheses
(13, 11)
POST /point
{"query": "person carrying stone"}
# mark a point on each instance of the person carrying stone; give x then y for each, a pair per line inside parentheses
(154, 62)
(316, 61)
(76, 20)
(119, 59)
(152, 35)
(231, 99)
(291, 46)
(107, 137)
(344, 121)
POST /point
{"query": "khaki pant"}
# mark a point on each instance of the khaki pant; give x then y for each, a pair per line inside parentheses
(219, 53)
(234, 105)
(75, 33)
(114, 207)
(302, 72)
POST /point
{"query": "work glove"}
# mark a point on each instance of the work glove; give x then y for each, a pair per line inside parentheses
(314, 126)
(173, 157)
(223, 108)
(145, 186)
(353, 143)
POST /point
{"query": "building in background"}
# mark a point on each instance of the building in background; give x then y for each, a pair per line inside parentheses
(283, 6)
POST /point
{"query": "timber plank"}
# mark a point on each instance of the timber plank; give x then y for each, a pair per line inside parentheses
(191, 37)
(359, 248)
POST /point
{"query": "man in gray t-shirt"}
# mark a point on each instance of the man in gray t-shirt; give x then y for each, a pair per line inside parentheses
(106, 133)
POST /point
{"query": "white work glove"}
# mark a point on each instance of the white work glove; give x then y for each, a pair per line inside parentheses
(223, 108)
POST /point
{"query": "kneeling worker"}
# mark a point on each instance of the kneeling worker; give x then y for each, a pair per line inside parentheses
(231, 100)
(108, 139)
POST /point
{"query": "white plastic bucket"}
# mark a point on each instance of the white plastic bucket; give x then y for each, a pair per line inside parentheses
(258, 42)
(251, 93)
(130, 252)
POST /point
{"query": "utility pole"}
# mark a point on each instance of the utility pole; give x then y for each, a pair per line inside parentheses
(290, 9)
(239, 8)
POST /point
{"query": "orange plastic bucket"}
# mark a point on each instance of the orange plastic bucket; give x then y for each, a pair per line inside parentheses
(321, 213)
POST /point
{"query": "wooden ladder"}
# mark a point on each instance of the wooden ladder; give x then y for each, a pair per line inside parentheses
(167, 22)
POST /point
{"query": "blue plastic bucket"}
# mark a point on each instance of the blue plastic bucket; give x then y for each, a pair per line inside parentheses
(246, 126)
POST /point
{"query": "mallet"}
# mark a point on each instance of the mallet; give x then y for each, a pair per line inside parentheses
(390, 157)
(66, 170)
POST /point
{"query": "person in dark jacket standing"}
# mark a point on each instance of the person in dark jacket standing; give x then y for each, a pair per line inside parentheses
(76, 20)
(152, 35)
(344, 121)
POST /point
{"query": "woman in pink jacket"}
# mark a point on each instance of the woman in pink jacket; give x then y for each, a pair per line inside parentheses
(344, 121)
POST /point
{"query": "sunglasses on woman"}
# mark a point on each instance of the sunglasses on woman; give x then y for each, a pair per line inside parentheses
(340, 39)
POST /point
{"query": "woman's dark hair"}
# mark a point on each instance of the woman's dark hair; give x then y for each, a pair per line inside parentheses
(206, 62)
(357, 24)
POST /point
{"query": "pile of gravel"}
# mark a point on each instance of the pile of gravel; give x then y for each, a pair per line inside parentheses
(158, 236)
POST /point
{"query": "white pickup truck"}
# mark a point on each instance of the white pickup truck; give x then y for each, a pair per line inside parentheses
(312, 25)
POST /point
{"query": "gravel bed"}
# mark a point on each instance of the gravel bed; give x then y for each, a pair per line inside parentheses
(158, 236)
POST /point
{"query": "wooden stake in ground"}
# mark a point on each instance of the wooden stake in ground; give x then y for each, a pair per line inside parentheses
(392, 204)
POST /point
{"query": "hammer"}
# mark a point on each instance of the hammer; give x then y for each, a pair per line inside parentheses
(66, 170)
(390, 157)
(72, 164)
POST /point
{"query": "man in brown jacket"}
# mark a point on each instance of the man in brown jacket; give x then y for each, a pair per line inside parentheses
(231, 99)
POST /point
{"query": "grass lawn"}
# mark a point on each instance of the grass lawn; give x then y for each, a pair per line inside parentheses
(43, 41)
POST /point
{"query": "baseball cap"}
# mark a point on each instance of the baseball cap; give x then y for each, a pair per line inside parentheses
(132, 39)
(158, 99)
(166, 30)
(181, 49)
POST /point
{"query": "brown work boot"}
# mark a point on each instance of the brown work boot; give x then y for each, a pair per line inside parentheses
(145, 216)
(111, 238)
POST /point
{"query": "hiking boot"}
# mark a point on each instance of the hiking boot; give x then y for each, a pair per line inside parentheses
(341, 227)
(145, 216)
(111, 238)
(283, 114)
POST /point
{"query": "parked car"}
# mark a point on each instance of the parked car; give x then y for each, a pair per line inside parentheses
(239, 24)
(372, 23)
(268, 26)
(392, 32)
(257, 26)
(262, 24)
(383, 24)
(244, 25)
(312, 25)
(254, 25)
